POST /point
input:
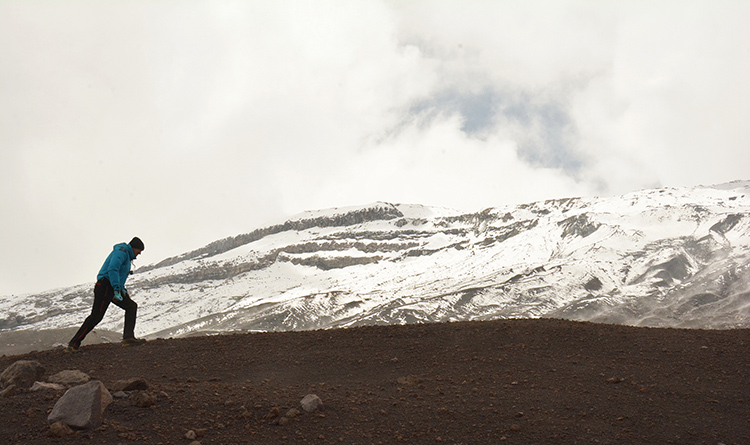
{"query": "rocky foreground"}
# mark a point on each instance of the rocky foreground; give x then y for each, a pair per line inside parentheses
(513, 381)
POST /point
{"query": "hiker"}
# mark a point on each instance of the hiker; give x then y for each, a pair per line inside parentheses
(110, 287)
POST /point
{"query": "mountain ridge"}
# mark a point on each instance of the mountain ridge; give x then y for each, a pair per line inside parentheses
(670, 257)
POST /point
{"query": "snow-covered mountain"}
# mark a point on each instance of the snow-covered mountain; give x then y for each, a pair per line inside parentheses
(677, 257)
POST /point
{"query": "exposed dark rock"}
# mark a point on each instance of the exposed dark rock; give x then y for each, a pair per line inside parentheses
(384, 212)
(593, 284)
(726, 224)
(578, 225)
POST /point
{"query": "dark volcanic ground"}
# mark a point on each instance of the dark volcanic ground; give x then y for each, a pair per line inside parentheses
(512, 381)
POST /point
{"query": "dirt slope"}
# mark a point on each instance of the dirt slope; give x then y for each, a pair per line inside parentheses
(515, 381)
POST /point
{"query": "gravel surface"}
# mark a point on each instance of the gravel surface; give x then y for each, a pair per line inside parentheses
(510, 381)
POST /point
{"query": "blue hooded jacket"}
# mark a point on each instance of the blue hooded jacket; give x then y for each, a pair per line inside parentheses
(117, 266)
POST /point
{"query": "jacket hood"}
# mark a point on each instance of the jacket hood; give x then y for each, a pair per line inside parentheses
(127, 248)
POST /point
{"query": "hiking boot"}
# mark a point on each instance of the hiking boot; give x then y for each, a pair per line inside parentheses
(133, 341)
(70, 349)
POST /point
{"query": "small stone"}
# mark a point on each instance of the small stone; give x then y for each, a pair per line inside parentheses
(142, 399)
(310, 403)
(70, 377)
(22, 373)
(134, 384)
(190, 435)
(408, 380)
(11, 390)
(292, 413)
(41, 386)
(59, 429)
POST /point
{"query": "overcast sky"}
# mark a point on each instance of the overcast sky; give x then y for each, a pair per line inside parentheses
(184, 122)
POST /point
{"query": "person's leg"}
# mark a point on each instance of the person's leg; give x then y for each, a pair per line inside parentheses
(131, 308)
(102, 296)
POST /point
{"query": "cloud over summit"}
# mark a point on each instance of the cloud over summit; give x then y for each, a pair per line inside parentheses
(186, 122)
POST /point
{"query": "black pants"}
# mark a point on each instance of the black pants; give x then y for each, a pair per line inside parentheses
(103, 293)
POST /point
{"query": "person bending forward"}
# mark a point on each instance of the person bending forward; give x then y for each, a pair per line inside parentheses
(110, 287)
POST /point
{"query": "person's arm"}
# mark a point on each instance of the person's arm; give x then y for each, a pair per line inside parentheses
(113, 272)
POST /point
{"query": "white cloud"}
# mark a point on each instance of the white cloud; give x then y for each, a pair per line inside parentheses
(671, 103)
(185, 122)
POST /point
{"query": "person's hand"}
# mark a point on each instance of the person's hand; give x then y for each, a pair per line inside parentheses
(125, 293)
(118, 296)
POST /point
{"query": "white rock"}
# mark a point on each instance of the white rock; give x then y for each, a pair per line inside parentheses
(311, 402)
(42, 386)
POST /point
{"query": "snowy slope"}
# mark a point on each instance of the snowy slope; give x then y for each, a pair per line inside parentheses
(666, 257)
